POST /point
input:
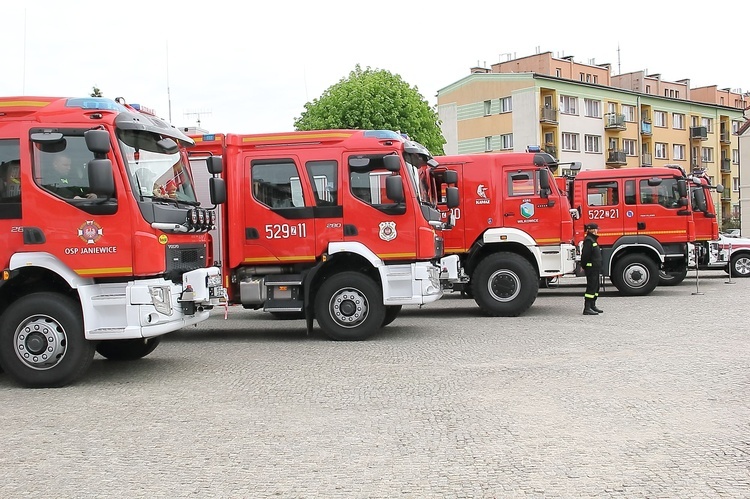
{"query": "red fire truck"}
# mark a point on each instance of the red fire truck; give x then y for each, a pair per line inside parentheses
(95, 256)
(646, 224)
(336, 225)
(513, 229)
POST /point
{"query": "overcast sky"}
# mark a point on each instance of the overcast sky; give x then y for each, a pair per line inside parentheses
(250, 67)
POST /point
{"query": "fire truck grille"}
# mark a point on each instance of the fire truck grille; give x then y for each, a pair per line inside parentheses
(185, 257)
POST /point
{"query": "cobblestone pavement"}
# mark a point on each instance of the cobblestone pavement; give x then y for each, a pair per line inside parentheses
(650, 399)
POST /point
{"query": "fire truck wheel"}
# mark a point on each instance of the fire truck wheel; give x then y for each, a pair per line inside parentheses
(740, 265)
(42, 344)
(391, 312)
(635, 275)
(504, 285)
(672, 277)
(349, 307)
(127, 349)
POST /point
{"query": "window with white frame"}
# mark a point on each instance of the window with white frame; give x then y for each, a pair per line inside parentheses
(487, 107)
(660, 118)
(735, 184)
(735, 126)
(678, 121)
(660, 150)
(593, 108)
(568, 104)
(708, 123)
(678, 151)
(628, 112)
(506, 141)
(735, 156)
(707, 154)
(570, 142)
(628, 145)
(592, 143)
(506, 105)
(487, 144)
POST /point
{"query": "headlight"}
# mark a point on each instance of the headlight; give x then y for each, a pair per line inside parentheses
(161, 298)
(213, 281)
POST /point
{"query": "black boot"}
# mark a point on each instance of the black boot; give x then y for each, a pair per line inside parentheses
(587, 310)
(595, 308)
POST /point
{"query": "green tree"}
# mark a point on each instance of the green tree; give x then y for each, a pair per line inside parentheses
(95, 92)
(374, 99)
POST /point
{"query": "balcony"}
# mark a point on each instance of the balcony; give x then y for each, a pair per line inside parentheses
(698, 132)
(616, 159)
(548, 115)
(646, 159)
(726, 165)
(726, 195)
(551, 150)
(724, 137)
(646, 128)
(614, 121)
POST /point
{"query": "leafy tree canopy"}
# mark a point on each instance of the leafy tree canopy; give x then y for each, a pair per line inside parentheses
(374, 99)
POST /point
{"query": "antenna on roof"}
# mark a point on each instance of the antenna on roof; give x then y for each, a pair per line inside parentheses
(619, 71)
(198, 114)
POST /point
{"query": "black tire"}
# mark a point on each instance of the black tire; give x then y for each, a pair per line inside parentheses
(504, 285)
(391, 312)
(635, 275)
(288, 316)
(349, 307)
(740, 265)
(672, 277)
(42, 343)
(127, 349)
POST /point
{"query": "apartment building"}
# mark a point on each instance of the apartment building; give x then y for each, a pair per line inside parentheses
(580, 112)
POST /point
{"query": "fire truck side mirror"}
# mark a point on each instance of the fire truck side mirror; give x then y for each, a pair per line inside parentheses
(215, 165)
(394, 187)
(719, 188)
(682, 187)
(450, 177)
(654, 181)
(97, 141)
(101, 180)
(168, 146)
(392, 163)
(217, 190)
(452, 197)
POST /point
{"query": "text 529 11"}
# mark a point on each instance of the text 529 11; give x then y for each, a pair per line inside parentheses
(286, 231)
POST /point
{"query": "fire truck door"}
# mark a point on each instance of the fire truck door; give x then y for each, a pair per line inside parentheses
(278, 213)
(370, 217)
(524, 207)
(603, 205)
(657, 211)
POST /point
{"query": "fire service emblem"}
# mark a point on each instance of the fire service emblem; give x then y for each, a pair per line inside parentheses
(90, 231)
(527, 210)
(388, 231)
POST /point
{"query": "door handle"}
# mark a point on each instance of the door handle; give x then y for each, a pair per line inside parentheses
(641, 225)
(509, 214)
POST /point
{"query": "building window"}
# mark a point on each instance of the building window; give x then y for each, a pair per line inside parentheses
(582, 77)
(678, 151)
(666, 92)
(506, 141)
(628, 112)
(694, 121)
(678, 121)
(487, 144)
(735, 184)
(708, 123)
(735, 126)
(648, 89)
(707, 154)
(570, 142)
(660, 150)
(596, 79)
(735, 156)
(677, 94)
(660, 119)
(593, 143)
(487, 107)
(593, 108)
(558, 72)
(721, 101)
(568, 104)
(628, 145)
(506, 105)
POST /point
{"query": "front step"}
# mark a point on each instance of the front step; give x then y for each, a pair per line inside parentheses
(283, 306)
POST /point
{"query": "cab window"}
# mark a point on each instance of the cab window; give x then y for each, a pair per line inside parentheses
(602, 193)
(521, 183)
(277, 184)
(10, 179)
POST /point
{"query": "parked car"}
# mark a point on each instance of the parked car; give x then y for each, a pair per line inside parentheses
(732, 233)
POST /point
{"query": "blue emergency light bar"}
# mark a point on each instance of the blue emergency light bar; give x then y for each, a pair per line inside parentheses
(99, 103)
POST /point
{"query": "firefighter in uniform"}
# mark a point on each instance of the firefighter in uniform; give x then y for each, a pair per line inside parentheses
(591, 262)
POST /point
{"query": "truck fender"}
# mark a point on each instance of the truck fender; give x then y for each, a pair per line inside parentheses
(49, 262)
(510, 235)
(357, 249)
(642, 242)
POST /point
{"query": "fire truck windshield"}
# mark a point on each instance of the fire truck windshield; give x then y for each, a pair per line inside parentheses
(156, 173)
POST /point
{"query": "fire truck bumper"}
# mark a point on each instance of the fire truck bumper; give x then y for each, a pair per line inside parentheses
(557, 260)
(149, 307)
(411, 284)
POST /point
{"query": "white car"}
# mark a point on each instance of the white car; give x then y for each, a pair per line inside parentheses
(731, 253)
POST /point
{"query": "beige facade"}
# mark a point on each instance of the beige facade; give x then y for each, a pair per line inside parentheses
(578, 112)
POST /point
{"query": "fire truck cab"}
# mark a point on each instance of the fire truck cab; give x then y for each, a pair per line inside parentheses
(513, 229)
(646, 224)
(334, 225)
(93, 257)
